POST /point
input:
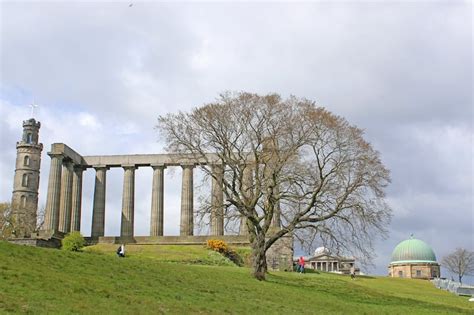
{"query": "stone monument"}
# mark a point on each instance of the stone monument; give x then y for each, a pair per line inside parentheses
(26, 181)
(64, 197)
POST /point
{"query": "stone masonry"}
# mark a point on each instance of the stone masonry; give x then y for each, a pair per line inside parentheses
(26, 181)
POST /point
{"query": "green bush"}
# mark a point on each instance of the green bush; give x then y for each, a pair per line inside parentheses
(222, 247)
(74, 241)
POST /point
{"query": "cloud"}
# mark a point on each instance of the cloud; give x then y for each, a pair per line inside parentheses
(88, 121)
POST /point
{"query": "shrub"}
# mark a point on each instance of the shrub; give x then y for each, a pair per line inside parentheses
(74, 241)
(218, 246)
(222, 247)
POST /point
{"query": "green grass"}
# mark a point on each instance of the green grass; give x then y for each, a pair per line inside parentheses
(37, 280)
(188, 254)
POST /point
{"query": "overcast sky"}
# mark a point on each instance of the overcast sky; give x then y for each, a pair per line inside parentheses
(102, 72)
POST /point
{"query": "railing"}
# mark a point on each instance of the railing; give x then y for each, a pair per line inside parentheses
(453, 287)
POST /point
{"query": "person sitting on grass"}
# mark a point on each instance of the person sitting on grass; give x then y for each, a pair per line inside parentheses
(121, 251)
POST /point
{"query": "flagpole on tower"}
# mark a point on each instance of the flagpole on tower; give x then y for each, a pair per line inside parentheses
(33, 106)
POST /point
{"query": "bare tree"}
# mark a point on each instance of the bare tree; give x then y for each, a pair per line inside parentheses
(460, 262)
(289, 166)
(40, 218)
(6, 223)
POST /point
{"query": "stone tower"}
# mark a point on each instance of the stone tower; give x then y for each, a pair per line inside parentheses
(26, 182)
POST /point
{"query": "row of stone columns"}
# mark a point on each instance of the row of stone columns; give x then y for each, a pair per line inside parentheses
(63, 205)
(327, 265)
(63, 201)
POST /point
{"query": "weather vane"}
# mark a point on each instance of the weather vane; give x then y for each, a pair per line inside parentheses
(33, 106)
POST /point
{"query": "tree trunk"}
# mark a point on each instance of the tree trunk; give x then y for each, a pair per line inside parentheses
(259, 258)
(460, 279)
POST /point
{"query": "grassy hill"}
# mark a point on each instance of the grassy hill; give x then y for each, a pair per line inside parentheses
(188, 254)
(149, 280)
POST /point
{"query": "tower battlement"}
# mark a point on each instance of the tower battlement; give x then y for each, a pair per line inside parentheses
(31, 123)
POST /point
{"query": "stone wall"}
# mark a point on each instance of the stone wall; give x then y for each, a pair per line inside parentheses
(170, 240)
(51, 243)
(280, 254)
(410, 271)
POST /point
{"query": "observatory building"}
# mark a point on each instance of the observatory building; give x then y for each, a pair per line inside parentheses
(413, 258)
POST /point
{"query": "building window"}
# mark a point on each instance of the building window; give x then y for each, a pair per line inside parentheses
(418, 273)
(400, 274)
(29, 138)
(24, 181)
(26, 161)
(23, 201)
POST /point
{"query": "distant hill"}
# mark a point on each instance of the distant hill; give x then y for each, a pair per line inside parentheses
(162, 280)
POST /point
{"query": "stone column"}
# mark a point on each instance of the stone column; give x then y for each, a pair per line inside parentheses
(270, 148)
(76, 198)
(247, 183)
(98, 210)
(186, 226)
(128, 201)
(157, 201)
(217, 201)
(51, 220)
(66, 198)
(276, 220)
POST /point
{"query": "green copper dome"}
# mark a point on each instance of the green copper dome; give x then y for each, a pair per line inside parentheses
(413, 251)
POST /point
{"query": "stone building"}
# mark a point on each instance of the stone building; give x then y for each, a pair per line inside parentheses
(413, 258)
(26, 181)
(324, 260)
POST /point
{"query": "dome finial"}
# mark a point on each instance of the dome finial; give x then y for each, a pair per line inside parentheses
(411, 236)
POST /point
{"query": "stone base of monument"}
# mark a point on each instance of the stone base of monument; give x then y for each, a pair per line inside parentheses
(169, 240)
(51, 243)
(280, 254)
(49, 239)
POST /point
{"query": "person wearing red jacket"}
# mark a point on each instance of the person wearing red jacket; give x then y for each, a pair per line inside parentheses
(301, 264)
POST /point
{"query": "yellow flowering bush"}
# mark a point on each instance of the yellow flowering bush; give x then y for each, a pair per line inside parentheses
(222, 247)
(218, 246)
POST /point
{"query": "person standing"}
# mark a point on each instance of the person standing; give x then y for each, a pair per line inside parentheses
(353, 272)
(301, 264)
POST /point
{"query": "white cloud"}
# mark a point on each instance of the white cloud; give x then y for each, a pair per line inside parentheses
(88, 121)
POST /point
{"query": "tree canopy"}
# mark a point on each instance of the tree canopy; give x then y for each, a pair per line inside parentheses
(289, 165)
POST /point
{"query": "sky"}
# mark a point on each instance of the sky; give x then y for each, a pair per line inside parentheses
(102, 72)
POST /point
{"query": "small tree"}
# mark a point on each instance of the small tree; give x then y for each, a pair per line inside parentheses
(460, 262)
(40, 218)
(288, 165)
(6, 223)
(74, 241)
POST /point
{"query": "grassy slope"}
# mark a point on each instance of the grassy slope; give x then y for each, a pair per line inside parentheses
(50, 281)
(193, 254)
